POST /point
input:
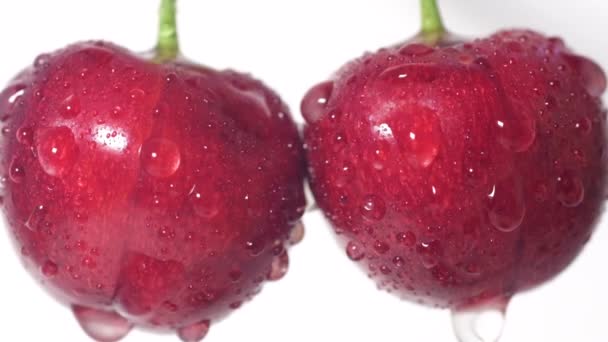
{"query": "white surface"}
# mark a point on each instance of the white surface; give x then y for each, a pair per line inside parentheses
(292, 45)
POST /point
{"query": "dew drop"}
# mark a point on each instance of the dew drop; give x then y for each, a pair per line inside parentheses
(25, 136)
(195, 332)
(484, 324)
(70, 107)
(570, 190)
(205, 204)
(344, 175)
(297, 233)
(416, 50)
(430, 253)
(419, 137)
(315, 101)
(506, 206)
(136, 94)
(57, 150)
(36, 218)
(592, 75)
(42, 61)
(516, 133)
(583, 126)
(49, 269)
(16, 172)
(160, 157)
(17, 91)
(408, 239)
(381, 247)
(255, 247)
(354, 251)
(102, 326)
(373, 208)
(279, 266)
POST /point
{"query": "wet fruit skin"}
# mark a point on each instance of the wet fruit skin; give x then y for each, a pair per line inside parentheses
(163, 192)
(462, 173)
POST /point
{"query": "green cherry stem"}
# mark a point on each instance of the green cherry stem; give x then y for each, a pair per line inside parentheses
(432, 25)
(167, 47)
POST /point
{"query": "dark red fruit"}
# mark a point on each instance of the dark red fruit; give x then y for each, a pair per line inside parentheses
(164, 192)
(461, 172)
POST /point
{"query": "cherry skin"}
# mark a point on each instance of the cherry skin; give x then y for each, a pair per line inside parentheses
(460, 172)
(155, 194)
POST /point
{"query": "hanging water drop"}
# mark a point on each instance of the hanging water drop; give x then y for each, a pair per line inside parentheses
(102, 326)
(195, 332)
(484, 324)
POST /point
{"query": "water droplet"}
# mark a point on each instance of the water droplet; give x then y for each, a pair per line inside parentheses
(506, 206)
(102, 326)
(25, 136)
(583, 125)
(315, 102)
(136, 94)
(381, 247)
(57, 150)
(205, 204)
(297, 233)
(70, 107)
(17, 92)
(398, 261)
(416, 50)
(407, 238)
(570, 190)
(42, 61)
(160, 157)
(354, 251)
(373, 208)
(49, 269)
(592, 75)
(36, 218)
(430, 253)
(418, 134)
(483, 324)
(279, 266)
(195, 332)
(344, 176)
(255, 247)
(16, 172)
(516, 132)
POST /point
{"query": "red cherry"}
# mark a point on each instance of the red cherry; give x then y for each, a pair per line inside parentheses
(148, 192)
(473, 170)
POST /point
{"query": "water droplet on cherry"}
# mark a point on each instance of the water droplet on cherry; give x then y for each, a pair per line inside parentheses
(16, 172)
(373, 208)
(570, 190)
(195, 332)
(70, 107)
(354, 251)
(25, 135)
(57, 150)
(160, 157)
(315, 102)
(430, 253)
(49, 269)
(102, 326)
(592, 75)
(36, 218)
(279, 266)
(297, 233)
(416, 50)
(205, 204)
(506, 206)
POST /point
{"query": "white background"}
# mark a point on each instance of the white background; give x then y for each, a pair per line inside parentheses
(292, 45)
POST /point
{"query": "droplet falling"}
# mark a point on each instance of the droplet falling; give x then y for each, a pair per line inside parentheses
(195, 332)
(297, 233)
(315, 101)
(484, 324)
(102, 326)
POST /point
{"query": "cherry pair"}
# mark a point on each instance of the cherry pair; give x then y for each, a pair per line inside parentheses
(162, 193)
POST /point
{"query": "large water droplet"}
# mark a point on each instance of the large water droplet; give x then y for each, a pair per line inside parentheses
(570, 190)
(195, 332)
(279, 266)
(315, 101)
(354, 251)
(160, 157)
(592, 75)
(373, 208)
(506, 206)
(484, 324)
(516, 133)
(57, 150)
(430, 253)
(418, 134)
(36, 218)
(102, 326)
